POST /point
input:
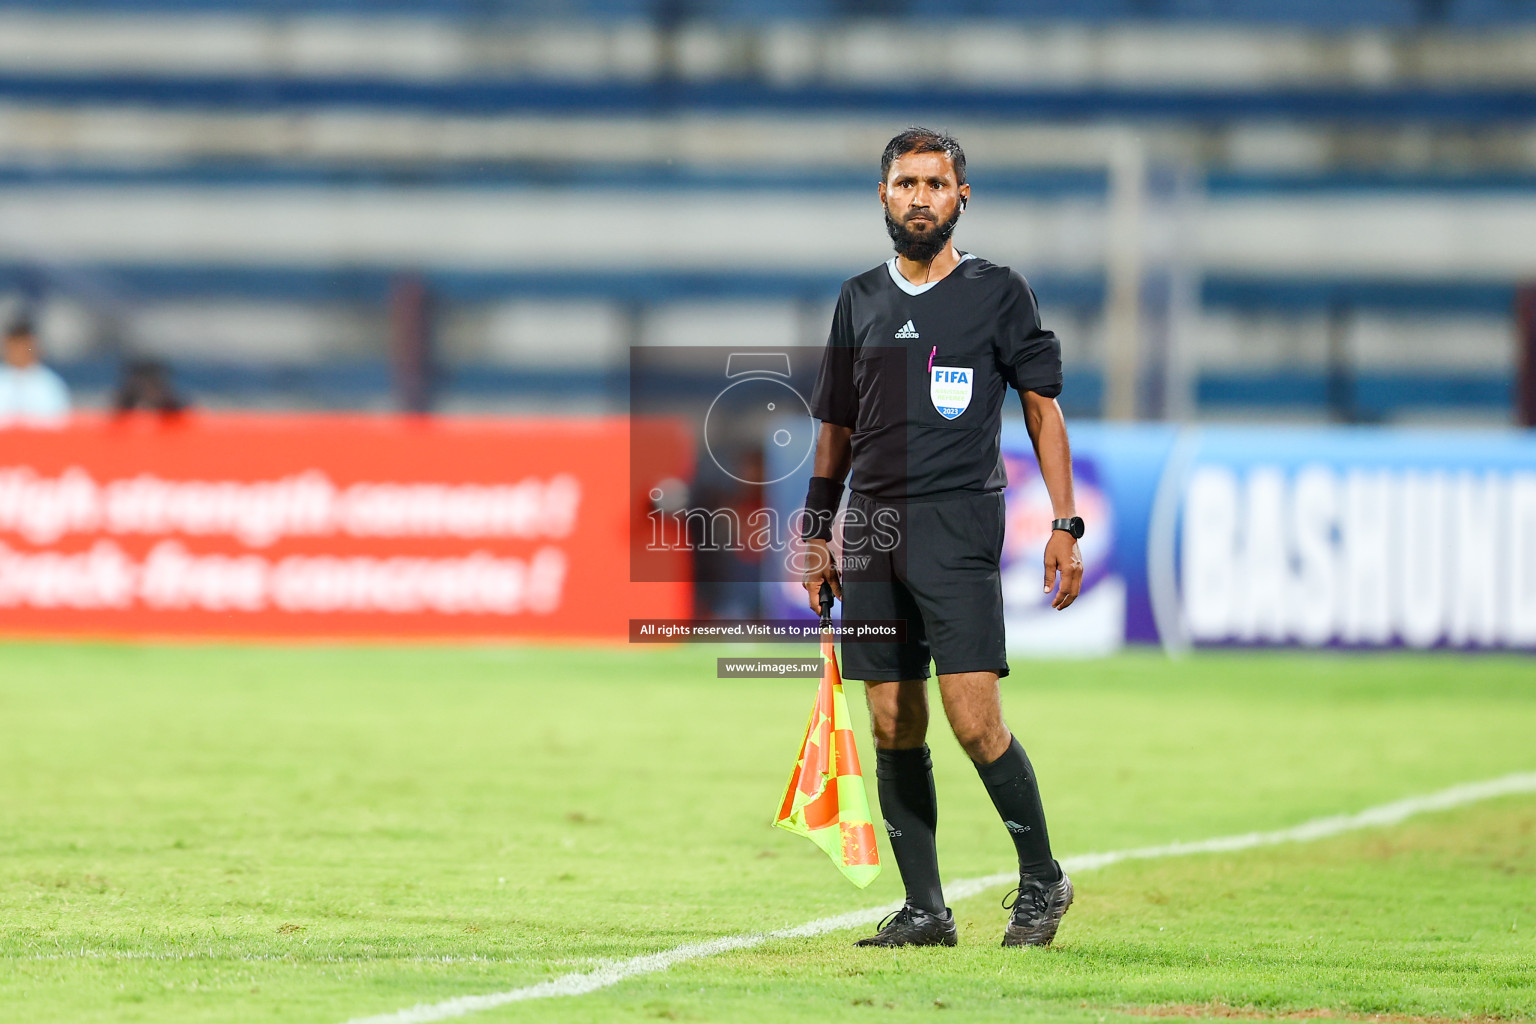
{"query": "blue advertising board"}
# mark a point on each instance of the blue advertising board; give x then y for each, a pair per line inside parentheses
(1272, 536)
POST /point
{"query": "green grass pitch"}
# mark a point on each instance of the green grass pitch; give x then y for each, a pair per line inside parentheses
(313, 834)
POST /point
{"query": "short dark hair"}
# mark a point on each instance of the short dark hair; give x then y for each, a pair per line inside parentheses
(917, 139)
(21, 327)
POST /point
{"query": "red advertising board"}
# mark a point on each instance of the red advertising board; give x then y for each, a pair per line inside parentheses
(323, 526)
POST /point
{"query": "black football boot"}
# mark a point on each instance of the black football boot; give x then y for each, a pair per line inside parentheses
(1037, 911)
(911, 926)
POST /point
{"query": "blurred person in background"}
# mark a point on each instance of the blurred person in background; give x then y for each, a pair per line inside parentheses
(146, 386)
(727, 576)
(30, 393)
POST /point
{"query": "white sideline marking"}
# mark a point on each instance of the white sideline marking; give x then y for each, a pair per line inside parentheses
(1317, 828)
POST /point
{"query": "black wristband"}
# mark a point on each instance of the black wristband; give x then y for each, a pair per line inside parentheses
(821, 501)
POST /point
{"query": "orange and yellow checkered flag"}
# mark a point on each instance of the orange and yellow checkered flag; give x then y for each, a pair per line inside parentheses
(825, 800)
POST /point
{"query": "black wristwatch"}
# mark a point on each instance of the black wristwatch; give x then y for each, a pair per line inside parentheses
(1074, 526)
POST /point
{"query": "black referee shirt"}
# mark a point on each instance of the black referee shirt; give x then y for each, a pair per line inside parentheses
(920, 374)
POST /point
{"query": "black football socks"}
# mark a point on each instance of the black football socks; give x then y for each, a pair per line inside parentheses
(1010, 781)
(911, 813)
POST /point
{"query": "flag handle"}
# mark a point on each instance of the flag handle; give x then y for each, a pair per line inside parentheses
(826, 605)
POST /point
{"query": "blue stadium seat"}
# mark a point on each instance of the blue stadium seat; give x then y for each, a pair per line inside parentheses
(1486, 13)
(751, 11)
(1027, 10)
(1323, 14)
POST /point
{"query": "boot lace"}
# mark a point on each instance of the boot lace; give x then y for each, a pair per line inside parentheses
(896, 918)
(1031, 897)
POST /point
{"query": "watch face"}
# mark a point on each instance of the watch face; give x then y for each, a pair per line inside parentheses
(1077, 527)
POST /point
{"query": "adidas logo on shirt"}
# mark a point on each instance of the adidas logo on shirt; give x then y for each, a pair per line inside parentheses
(908, 330)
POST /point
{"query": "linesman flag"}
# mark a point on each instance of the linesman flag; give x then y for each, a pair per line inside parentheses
(825, 800)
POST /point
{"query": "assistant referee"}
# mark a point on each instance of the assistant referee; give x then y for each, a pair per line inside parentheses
(922, 351)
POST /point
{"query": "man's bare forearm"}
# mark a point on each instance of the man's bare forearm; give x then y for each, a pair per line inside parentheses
(834, 452)
(1048, 432)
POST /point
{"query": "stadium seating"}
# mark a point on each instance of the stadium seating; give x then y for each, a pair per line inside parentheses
(153, 185)
(1312, 13)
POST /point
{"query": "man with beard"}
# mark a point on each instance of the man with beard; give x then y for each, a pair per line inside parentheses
(910, 396)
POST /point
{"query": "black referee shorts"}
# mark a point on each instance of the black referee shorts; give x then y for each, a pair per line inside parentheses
(940, 574)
